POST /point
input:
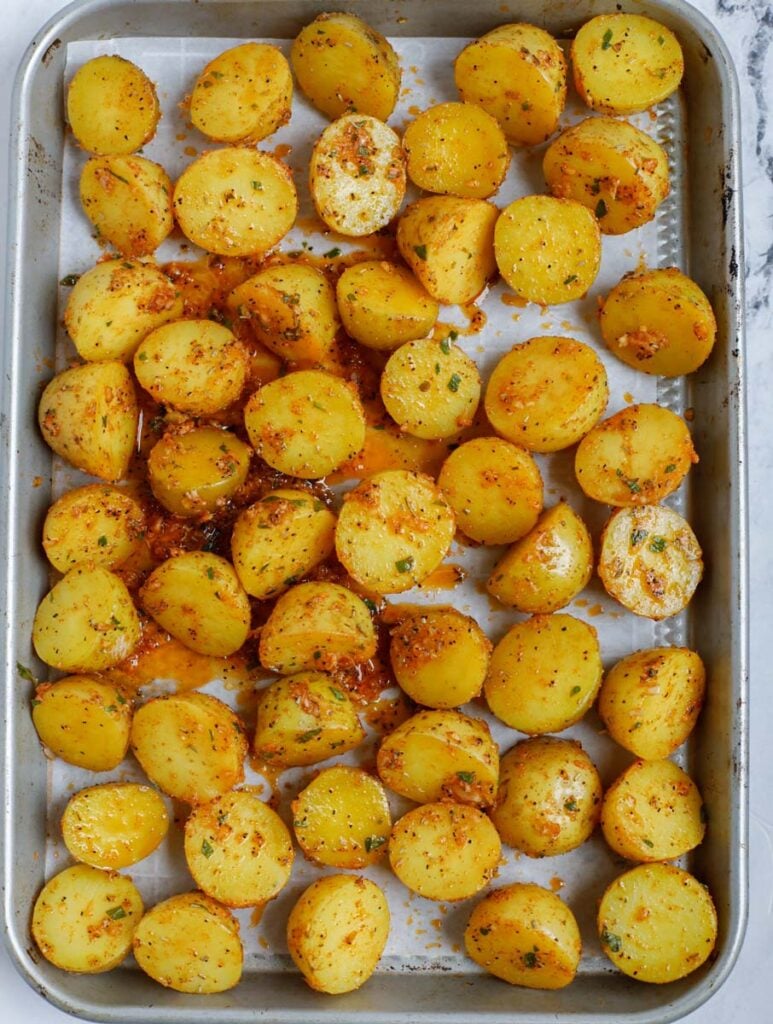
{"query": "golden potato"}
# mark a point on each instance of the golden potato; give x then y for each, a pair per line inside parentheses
(383, 305)
(84, 720)
(657, 923)
(190, 745)
(89, 416)
(317, 627)
(112, 106)
(344, 65)
(128, 199)
(546, 393)
(95, 524)
(337, 931)
(517, 73)
(196, 472)
(525, 935)
(341, 819)
(659, 322)
(236, 201)
(544, 674)
(650, 700)
(393, 530)
(84, 919)
(114, 825)
(650, 560)
(549, 798)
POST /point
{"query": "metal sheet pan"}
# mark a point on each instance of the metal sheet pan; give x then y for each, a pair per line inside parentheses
(709, 215)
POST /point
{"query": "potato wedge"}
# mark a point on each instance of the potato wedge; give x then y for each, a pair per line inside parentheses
(128, 199)
(114, 825)
(112, 106)
(194, 473)
(383, 305)
(96, 524)
(84, 720)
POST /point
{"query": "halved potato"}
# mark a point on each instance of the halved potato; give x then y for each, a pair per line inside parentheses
(114, 825)
(383, 305)
(97, 524)
(84, 720)
(128, 199)
(112, 106)
(195, 473)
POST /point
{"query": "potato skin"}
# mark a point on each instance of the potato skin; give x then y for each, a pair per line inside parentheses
(114, 825)
(84, 720)
(112, 106)
(382, 305)
(194, 473)
(128, 199)
(96, 524)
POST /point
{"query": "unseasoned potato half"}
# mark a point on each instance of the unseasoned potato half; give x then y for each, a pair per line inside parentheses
(243, 95)
(96, 524)
(344, 65)
(650, 560)
(115, 304)
(128, 199)
(383, 305)
(494, 488)
(357, 175)
(84, 919)
(444, 851)
(544, 673)
(650, 700)
(612, 168)
(89, 416)
(236, 201)
(112, 106)
(448, 243)
(438, 755)
(114, 825)
(517, 73)
(337, 931)
(623, 63)
(191, 745)
(196, 472)
(549, 798)
(341, 819)
(84, 720)
(304, 718)
(394, 530)
(657, 923)
(659, 322)
(546, 393)
(190, 943)
(318, 627)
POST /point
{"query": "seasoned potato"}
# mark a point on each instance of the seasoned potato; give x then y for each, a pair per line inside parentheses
(306, 424)
(624, 63)
(650, 700)
(190, 745)
(659, 322)
(196, 472)
(430, 388)
(115, 304)
(525, 935)
(238, 849)
(236, 201)
(83, 720)
(89, 416)
(444, 851)
(337, 931)
(383, 305)
(86, 622)
(304, 718)
(439, 657)
(546, 393)
(650, 560)
(279, 538)
(84, 919)
(517, 73)
(190, 943)
(128, 199)
(612, 168)
(357, 175)
(438, 755)
(448, 243)
(653, 811)
(544, 674)
(636, 457)
(95, 524)
(344, 65)
(341, 819)
(243, 95)
(657, 923)
(549, 798)
(112, 106)
(317, 627)
(114, 825)
(494, 489)
(197, 597)
(548, 250)
(194, 366)
(394, 530)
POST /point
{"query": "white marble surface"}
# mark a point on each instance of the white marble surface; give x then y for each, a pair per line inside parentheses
(747, 26)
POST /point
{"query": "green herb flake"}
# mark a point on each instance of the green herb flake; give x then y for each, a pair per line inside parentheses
(437, 368)
(574, 690)
(69, 280)
(404, 564)
(142, 356)
(571, 805)
(611, 940)
(607, 39)
(467, 777)
(332, 253)
(216, 74)
(363, 170)
(370, 605)
(570, 279)
(632, 485)
(421, 251)
(290, 581)
(337, 695)
(530, 959)
(648, 842)
(24, 672)
(453, 382)
(670, 468)
(306, 736)
(222, 817)
(526, 105)
(636, 725)
(661, 40)
(318, 405)
(601, 209)
(36, 702)
(111, 709)
(120, 698)
(373, 842)
(210, 572)
(116, 913)
(318, 506)
(300, 823)
(658, 544)
(637, 536)
(317, 655)
(445, 345)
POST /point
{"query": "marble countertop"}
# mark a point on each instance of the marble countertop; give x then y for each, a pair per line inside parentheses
(747, 27)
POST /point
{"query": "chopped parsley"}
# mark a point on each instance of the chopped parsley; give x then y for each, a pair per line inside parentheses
(570, 279)
(207, 849)
(466, 776)
(370, 605)
(530, 959)
(601, 209)
(637, 536)
(611, 940)
(337, 695)
(69, 280)
(116, 913)
(571, 805)
(658, 544)
(24, 672)
(421, 251)
(607, 39)
(332, 253)
(373, 843)
(454, 381)
(404, 564)
(306, 736)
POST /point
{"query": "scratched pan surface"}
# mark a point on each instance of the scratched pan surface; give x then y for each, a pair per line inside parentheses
(423, 977)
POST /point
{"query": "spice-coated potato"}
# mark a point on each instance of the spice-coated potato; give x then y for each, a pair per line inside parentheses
(128, 199)
(112, 106)
(197, 471)
(383, 305)
(114, 825)
(97, 524)
(84, 720)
